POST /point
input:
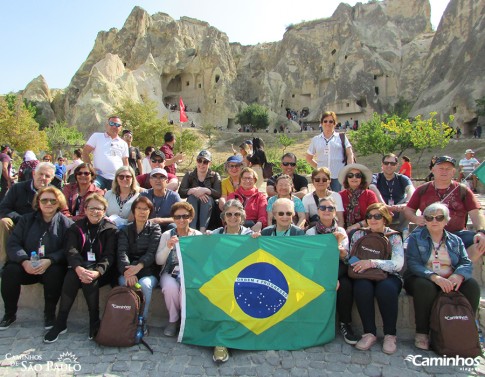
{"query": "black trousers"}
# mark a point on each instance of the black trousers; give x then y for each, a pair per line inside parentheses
(424, 292)
(14, 276)
(90, 291)
(345, 299)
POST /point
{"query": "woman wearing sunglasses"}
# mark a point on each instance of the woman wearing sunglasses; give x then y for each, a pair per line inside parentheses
(42, 231)
(326, 224)
(321, 182)
(137, 246)
(90, 250)
(233, 167)
(201, 187)
(77, 192)
(387, 290)
(356, 196)
(283, 212)
(124, 191)
(183, 213)
(436, 261)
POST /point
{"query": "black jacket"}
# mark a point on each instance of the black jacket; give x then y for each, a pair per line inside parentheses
(212, 181)
(136, 248)
(18, 201)
(28, 232)
(104, 239)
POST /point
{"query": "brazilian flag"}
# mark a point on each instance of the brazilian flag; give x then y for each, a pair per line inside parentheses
(258, 294)
(480, 172)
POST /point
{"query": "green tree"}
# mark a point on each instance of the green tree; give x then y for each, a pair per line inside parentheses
(142, 119)
(209, 130)
(393, 134)
(189, 143)
(285, 141)
(18, 126)
(402, 108)
(255, 115)
(63, 139)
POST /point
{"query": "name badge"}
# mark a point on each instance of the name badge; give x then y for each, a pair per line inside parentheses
(91, 256)
(391, 202)
(326, 151)
(41, 251)
(436, 266)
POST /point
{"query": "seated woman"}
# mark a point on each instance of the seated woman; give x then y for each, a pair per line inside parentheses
(321, 182)
(201, 187)
(77, 192)
(328, 224)
(42, 231)
(230, 184)
(283, 212)
(284, 189)
(183, 213)
(124, 191)
(386, 291)
(90, 249)
(436, 261)
(137, 246)
(356, 196)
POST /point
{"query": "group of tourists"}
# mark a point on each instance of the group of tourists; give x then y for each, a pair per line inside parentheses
(111, 226)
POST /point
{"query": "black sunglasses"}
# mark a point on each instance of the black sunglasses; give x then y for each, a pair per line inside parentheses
(318, 180)
(202, 161)
(292, 164)
(328, 121)
(326, 208)
(114, 124)
(389, 163)
(231, 214)
(86, 173)
(179, 217)
(284, 213)
(159, 160)
(438, 218)
(356, 175)
(376, 216)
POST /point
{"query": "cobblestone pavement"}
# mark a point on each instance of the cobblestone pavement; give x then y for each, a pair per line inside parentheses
(22, 344)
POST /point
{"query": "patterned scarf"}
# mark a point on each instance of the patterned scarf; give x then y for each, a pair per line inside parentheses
(353, 209)
(322, 229)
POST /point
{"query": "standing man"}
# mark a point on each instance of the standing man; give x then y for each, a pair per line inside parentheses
(6, 180)
(330, 149)
(157, 160)
(460, 200)
(109, 150)
(162, 199)
(393, 189)
(134, 155)
(171, 160)
(288, 166)
(467, 166)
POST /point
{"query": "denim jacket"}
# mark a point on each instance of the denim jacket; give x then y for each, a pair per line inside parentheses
(419, 250)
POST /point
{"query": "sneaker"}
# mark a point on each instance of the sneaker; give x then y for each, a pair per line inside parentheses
(7, 321)
(93, 331)
(145, 330)
(221, 354)
(421, 341)
(348, 333)
(49, 322)
(171, 329)
(53, 334)
(389, 345)
(366, 342)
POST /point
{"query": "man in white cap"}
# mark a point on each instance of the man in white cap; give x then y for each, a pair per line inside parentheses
(467, 166)
(162, 199)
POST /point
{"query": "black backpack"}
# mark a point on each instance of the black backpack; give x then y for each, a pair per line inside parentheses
(453, 328)
(120, 318)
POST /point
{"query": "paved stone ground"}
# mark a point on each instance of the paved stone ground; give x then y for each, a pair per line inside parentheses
(23, 341)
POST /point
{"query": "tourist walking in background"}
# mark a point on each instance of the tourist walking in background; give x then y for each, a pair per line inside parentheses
(406, 168)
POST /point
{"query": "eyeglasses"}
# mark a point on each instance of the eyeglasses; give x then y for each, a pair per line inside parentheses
(114, 124)
(318, 180)
(85, 173)
(47, 160)
(356, 175)
(376, 216)
(123, 177)
(392, 163)
(158, 177)
(202, 161)
(95, 209)
(329, 121)
(247, 178)
(326, 208)
(142, 209)
(284, 213)
(157, 161)
(46, 200)
(234, 166)
(292, 164)
(185, 216)
(231, 214)
(438, 218)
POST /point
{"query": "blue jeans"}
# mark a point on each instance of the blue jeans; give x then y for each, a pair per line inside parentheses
(466, 236)
(147, 284)
(335, 185)
(203, 211)
(103, 183)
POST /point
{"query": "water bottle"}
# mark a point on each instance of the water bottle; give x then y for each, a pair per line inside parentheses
(139, 330)
(405, 238)
(34, 259)
(480, 333)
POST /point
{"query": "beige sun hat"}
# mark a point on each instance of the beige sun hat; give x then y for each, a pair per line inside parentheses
(363, 169)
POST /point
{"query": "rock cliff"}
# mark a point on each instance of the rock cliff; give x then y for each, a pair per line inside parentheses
(360, 60)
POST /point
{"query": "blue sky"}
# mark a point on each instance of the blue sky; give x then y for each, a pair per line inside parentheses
(54, 37)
